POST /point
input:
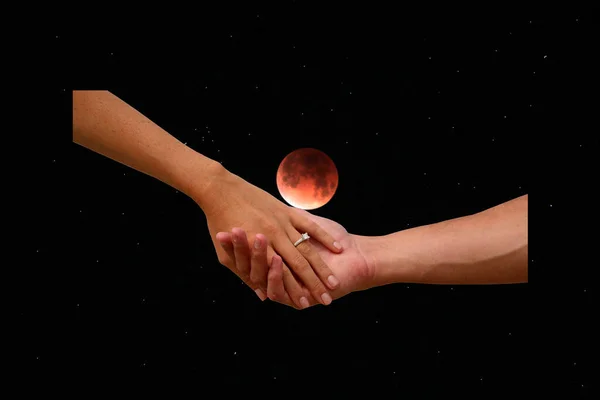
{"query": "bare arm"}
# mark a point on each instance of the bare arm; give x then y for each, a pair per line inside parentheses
(107, 125)
(489, 247)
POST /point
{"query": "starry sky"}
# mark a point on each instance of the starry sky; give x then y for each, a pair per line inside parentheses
(426, 117)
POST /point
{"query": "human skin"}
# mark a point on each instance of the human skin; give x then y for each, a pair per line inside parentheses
(107, 125)
(489, 247)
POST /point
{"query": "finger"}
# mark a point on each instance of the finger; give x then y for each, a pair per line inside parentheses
(275, 289)
(241, 250)
(294, 289)
(303, 224)
(259, 267)
(224, 238)
(309, 253)
(301, 267)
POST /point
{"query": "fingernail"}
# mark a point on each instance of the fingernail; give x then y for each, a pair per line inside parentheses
(260, 294)
(326, 298)
(333, 281)
(337, 245)
(303, 302)
(256, 243)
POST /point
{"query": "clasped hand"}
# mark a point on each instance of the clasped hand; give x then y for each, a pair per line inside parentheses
(272, 227)
(350, 266)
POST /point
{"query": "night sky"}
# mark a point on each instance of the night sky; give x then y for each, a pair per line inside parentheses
(426, 118)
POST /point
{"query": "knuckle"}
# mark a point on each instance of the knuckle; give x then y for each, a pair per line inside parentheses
(311, 226)
(300, 264)
(317, 287)
(270, 229)
(304, 249)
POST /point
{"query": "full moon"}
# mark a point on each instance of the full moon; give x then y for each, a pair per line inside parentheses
(307, 178)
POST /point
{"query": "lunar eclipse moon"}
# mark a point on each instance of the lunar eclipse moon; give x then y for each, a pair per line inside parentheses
(307, 178)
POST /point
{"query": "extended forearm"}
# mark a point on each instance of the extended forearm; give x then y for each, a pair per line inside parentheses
(107, 125)
(489, 247)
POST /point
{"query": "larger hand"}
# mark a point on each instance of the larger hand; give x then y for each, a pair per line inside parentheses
(230, 202)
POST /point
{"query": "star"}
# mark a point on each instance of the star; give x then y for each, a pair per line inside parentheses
(376, 322)
(235, 353)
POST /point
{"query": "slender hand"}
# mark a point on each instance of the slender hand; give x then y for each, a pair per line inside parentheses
(489, 247)
(105, 124)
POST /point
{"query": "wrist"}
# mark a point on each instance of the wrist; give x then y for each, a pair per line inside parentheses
(207, 190)
(388, 259)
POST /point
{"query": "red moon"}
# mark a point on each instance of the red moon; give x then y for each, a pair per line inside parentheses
(307, 178)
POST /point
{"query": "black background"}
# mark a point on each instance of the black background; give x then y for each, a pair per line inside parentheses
(428, 115)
